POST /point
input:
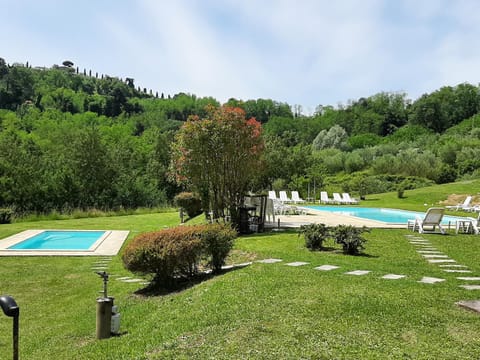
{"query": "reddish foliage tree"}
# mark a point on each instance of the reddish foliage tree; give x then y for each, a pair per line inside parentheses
(218, 156)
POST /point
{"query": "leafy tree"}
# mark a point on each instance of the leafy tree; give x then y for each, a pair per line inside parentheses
(335, 137)
(218, 156)
(93, 169)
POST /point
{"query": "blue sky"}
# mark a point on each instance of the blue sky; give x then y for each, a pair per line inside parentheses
(305, 52)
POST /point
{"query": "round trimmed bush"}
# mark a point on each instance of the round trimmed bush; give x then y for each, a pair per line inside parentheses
(190, 202)
(167, 254)
(176, 253)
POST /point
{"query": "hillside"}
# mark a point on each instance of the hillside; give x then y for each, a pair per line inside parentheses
(73, 139)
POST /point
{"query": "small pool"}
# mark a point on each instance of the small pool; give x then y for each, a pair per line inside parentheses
(60, 240)
(389, 216)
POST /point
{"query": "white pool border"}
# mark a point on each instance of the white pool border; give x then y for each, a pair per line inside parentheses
(108, 244)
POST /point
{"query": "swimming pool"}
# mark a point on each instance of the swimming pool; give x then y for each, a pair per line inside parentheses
(389, 216)
(60, 240)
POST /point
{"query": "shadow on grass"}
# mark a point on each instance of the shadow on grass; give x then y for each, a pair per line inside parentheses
(182, 284)
(338, 251)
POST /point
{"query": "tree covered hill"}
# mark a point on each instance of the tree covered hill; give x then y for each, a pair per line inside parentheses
(73, 139)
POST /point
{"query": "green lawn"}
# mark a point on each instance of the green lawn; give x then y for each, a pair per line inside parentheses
(263, 311)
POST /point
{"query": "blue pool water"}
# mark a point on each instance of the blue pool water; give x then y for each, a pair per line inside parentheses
(60, 240)
(390, 216)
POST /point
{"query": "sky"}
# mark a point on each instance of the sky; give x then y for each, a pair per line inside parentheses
(301, 52)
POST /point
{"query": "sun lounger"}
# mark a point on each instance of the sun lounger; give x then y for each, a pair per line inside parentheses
(348, 200)
(468, 225)
(432, 220)
(272, 195)
(324, 198)
(283, 197)
(337, 198)
(285, 209)
(463, 206)
(296, 198)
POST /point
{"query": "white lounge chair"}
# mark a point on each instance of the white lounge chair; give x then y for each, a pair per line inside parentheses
(432, 220)
(296, 198)
(337, 198)
(468, 225)
(284, 209)
(283, 197)
(272, 194)
(270, 210)
(463, 206)
(347, 199)
(324, 199)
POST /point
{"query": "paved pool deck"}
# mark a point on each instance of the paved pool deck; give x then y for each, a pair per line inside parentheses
(108, 245)
(327, 218)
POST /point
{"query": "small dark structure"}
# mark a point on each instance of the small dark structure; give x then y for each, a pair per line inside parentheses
(252, 214)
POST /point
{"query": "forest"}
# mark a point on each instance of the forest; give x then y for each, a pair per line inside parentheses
(73, 139)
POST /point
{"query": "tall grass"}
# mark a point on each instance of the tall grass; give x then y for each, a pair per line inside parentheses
(89, 213)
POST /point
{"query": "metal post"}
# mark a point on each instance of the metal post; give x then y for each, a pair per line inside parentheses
(104, 310)
(104, 317)
(11, 309)
(15, 337)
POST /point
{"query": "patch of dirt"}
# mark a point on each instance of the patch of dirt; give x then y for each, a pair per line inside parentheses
(239, 256)
(455, 199)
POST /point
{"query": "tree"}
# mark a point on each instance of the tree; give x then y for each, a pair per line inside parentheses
(218, 157)
(335, 137)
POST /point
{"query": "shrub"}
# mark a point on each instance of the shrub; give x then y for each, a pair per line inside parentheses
(6, 215)
(400, 192)
(176, 253)
(217, 242)
(167, 254)
(190, 202)
(315, 235)
(350, 238)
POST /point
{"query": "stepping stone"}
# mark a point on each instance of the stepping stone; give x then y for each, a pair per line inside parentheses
(428, 248)
(99, 268)
(457, 271)
(326, 267)
(269, 261)
(393, 277)
(227, 267)
(470, 305)
(453, 265)
(432, 256)
(429, 252)
(243, 264)
(470, 287)
(123, 278)
(297, 263)
(358, 272)
(430, 280)
(469, 278)
(132, 280)
(437, 261)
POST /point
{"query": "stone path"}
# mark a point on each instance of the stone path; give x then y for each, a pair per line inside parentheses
(423, 248)
(101, 264)
(447, 264)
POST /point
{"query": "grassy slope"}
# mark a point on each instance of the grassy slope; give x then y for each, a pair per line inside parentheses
(421, 199)
(262, 311)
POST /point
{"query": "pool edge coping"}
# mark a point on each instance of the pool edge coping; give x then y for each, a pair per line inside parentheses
(109, 246)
